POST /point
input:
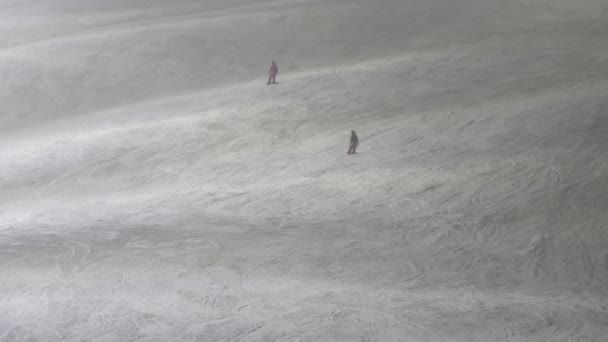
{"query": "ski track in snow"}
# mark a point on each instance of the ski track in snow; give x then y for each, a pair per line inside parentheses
(153, 188)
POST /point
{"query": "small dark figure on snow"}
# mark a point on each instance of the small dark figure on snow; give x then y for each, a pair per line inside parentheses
(272, 73)
(354, 142)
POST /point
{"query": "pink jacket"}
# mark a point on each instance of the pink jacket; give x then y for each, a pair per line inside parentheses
(274, 69)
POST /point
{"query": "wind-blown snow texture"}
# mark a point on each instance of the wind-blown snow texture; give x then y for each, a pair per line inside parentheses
(153, 188)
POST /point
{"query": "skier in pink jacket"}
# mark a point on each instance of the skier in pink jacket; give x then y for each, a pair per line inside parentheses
(272, 73)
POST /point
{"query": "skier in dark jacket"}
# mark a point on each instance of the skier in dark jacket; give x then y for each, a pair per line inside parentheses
(354, 142)
(272, 73)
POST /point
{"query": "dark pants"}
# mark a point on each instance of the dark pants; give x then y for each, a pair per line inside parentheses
(272, 78)
(353, 148)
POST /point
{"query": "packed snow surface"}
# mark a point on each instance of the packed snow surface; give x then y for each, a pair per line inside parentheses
(154, 188)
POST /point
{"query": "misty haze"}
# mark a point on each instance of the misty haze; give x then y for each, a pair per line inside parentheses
(406, 170)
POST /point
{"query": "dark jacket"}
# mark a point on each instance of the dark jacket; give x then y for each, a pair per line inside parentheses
(274, 69)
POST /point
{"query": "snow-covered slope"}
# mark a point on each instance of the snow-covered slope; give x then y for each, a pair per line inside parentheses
(153, 188)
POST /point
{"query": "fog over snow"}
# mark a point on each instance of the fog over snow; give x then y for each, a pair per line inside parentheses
(154, 188)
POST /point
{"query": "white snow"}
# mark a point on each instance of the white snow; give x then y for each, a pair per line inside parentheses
(154, 188)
